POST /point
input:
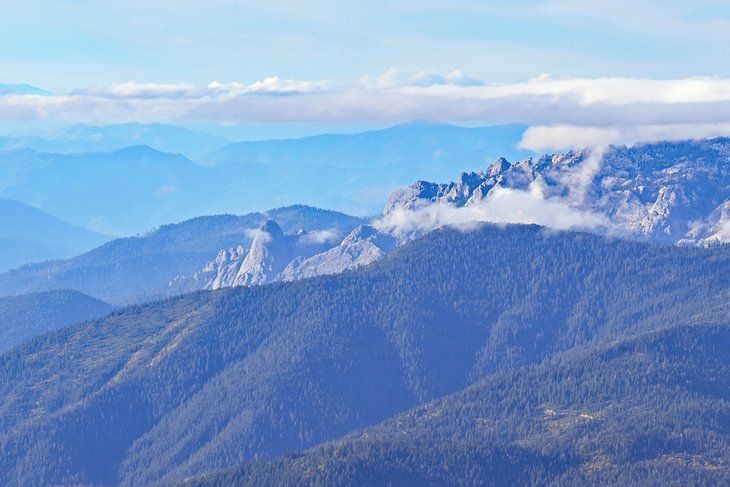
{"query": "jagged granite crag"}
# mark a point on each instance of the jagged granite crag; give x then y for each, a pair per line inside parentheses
(671, 193)
(364, 245)
(270, 254)
(665, 192)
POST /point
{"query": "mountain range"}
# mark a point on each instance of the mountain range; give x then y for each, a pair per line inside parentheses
(668, 192)
(673, 193)
(141, 268)
(132, 189)
(28, 235)
(105, 138)
(558, 320)
(559, 357)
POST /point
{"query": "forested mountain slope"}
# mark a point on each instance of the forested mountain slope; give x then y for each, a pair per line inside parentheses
(29, 315)
(206, 381)
(652, 410)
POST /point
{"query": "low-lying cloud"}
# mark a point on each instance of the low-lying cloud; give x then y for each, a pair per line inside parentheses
(503, 205)
(561, 112)
(541, 138)
(320, 237)
(508, 205)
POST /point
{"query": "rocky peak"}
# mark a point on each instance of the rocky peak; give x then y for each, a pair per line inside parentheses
(268, 256)
(269, 229)
(666, 192)
(498, 167)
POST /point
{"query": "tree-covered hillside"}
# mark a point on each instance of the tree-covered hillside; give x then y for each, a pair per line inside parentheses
(29, 315)
(165, 391)
(653, 410)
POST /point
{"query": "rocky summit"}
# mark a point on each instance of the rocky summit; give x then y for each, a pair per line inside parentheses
(668, 192)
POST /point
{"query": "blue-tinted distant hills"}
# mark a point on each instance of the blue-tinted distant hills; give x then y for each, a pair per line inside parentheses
(28, 234)
(419, 142)
(133, 189)
(22, 89)
(121, 192)
(95, 138)
(139, 268)
(357, 172)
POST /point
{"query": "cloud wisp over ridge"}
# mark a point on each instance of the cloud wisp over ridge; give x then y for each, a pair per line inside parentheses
(504, 205)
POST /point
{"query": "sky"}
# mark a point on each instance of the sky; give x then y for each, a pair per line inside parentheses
(578, 72)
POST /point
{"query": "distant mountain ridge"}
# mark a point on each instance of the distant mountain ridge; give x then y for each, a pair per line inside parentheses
(28, 235)
(95, 138)
(665, 192)
(142, 267)
(136, 188)
(671, 193)
(22, 89)
(668, 192)
(119, 192)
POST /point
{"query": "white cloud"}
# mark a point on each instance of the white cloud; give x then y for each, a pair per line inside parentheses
(503, 205)
(564, 113)
(542, 138)
(320, 237)
(396, 78)
(131, 89)
(540, 78)
(250, 233)
(560, 137)
(272, 84)
(507, 205)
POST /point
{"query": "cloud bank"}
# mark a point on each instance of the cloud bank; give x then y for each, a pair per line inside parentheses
(507, 205)
(561, 112)
(503, 205)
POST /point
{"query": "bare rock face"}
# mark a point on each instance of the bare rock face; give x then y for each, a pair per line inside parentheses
(672, 193)
(364, 245)
(265, 261)
(664, 192)
(268, 256)
(225, 266)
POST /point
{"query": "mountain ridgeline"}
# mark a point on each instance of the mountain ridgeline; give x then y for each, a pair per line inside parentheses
(24, 317)
(664, 192)
(558, 357)
(141, 268)
(668, 192)
(674, 193)
(28, 235)
(142, 180)
(91, 138)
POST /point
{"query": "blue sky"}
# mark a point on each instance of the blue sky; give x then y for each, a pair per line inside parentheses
(66, 45)
(151, 53)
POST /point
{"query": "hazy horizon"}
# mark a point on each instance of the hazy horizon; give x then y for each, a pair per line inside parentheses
(623, 72)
